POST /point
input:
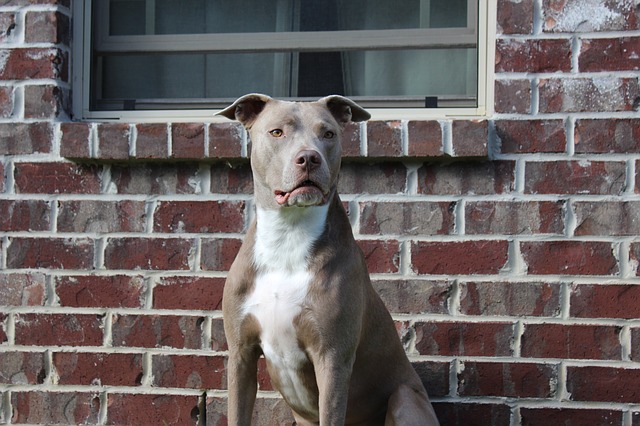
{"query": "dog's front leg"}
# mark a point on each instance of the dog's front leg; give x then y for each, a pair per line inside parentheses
(333, 373)
(242, 383)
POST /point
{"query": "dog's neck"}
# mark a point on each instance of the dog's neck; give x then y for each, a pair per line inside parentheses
(285, 236)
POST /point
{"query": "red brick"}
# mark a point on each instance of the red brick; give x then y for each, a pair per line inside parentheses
(59, 329)
(44, 101)
(434, 377)
(509, 299)
(382, 256)
(24, 215)
(575, 177)
(571, 342)
(515, 380)
(25, 138)
(225, 140)
(569, 258)
(482, 178)
(187, 140)
(607, 218)
(22, 368)
(414, 296)
(50, 253)
(569, 416)
(515, 17)
(603, 136)
(199, 216)
(408, 218)
(157, 331)
(201, 293)
(76, 140)
(151, 141)
(604, 384)
(27, 289)
(47, 27)
(71, 408)
(379, 178)
(512, 96)
(268, 411)
(605, 301)
(217, 254)
(514, 217)
(533, 55)
(635, 344)
(384, 139)
(113, 141)
(472, 414)
(98, 291)
(101, 216)
(264, 380)
(189, 371)
(425, 138)
(610, 54)
(531, 136)
(600, 94)
(470, 138)
(576, 16)
(140, 409)
(464, 339)
(100, 369)
(155, 179)
(35, 63)
(459, 257)
(56, 178)
(6, 95)
(218, 338)
(148, 253)
(231, 179)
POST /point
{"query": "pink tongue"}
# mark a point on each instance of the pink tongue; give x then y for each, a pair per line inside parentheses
(282, 197)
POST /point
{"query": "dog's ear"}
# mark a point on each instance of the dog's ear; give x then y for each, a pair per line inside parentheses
(246, 108)
(344, 109)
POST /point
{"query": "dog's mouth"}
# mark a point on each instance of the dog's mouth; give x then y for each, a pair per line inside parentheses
(304, 194)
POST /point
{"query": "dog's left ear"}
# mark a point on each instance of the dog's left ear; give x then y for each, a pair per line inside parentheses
(344, 109)
(246, 108)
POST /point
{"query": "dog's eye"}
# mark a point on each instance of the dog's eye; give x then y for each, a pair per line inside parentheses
(276, 133)
(329, 134)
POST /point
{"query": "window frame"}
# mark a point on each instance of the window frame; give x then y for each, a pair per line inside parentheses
(316, 41)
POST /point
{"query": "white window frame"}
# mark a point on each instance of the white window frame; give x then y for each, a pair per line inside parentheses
(318, 41)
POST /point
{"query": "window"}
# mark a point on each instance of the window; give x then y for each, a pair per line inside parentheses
(149, 58)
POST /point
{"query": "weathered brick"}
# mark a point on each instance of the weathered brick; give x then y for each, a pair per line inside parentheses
(515, 380)
(569, 258)
(98, 291)
(157, 331)
(189, 371)
(7, 26)
(434, 377)
(515, 16)
(382, 256)
(509, 299)
(485, 178)
(635, 344)
(571, 342)
(607, 218)
(379, 178)
(151, 141)
(512, 96)
(2, 177)
(101, 216)
(569, 416)
(114, 369)
(44, 101)
(533, 55)
(24, 215)
(217, 254)
(187, 140)
(575, 177)
(231, 179)
(218, 338)
(199, 216)
(580, 16)
(148, 253)
(225, 140)
(384, 139)
(25, 138)
(53, 253)
(605, 301)
(268, 411)
(459, 257)
(47, 27)
(464, 413)
(142, 409)
(201, 293)
(464, 339)
(424, 138)
(6, 97)
(351, 140)
(59, 329)
(599, 94)
(609, 54)
(514, 217)
(155, 179)
(56, 178)
(406, 218)
(414, 296)
(34, 63)
(531, 136)
(470, 138)
(76, 140)
(605, 384)
(28, 289)
(603, 136)
(22, 368)
(113, 141)
(71, 408)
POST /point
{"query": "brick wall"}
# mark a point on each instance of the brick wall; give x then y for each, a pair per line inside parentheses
(507, 249)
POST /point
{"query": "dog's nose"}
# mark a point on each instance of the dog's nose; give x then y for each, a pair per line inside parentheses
(308, 159)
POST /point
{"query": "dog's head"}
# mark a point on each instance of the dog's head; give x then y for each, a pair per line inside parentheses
(296, 146)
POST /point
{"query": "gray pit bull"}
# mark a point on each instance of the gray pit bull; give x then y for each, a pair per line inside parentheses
(299, 292)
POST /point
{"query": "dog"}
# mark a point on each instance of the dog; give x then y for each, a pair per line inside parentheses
(299, 292)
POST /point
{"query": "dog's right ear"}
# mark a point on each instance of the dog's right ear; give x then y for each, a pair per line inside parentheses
(246, 108)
